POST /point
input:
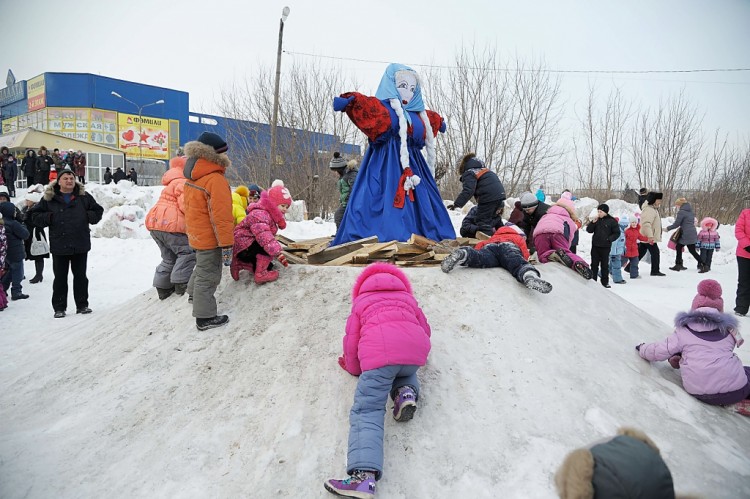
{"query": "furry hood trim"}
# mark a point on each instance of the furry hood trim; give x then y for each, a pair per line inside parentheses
(53, 189)
(380, 268)
(708, 317)
(195, 149)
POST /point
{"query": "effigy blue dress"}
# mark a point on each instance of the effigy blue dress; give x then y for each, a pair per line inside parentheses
(373, 205)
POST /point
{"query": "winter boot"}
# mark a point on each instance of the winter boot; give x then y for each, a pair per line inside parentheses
(37, 278)
(677, 268)
(262, 274)
(703, 269)
(404, 404)
(180, 289)
(211, 322)
(458, 257)
(237, 265)
(164, 293)
(360, 484)
(560, 256)
(532, 281)
(83, 310)
(583, 270)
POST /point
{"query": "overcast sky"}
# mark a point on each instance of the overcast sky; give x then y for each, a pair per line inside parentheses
(203, 46)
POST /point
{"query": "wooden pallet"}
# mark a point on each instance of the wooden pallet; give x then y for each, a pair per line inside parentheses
(418, 251)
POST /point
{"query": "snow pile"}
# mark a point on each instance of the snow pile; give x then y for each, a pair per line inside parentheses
(125, 207)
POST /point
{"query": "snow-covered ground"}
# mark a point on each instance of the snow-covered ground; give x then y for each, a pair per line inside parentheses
(133, 401)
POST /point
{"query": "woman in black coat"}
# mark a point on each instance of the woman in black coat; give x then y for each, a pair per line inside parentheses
(28, 167)
(37, 234)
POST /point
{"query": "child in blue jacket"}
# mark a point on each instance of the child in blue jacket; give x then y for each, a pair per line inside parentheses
(617, 252)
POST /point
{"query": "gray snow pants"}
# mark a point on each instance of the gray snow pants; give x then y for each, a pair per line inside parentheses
(177, 259)
(204, 281)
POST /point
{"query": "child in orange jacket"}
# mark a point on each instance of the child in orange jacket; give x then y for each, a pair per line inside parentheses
(507, 249)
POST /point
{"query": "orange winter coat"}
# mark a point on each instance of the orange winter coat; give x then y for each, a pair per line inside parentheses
(208, 198)
(168, 214)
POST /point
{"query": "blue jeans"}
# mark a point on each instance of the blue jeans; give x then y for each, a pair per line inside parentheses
(13, 277)
(633, 266)
(615, 267)
(366, 419)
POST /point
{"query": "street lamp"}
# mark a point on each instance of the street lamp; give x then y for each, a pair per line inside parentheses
(284, 15)
(140, 123)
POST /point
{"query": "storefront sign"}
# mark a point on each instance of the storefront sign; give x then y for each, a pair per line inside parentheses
(13, 93)
(145, 137)
(36, 92)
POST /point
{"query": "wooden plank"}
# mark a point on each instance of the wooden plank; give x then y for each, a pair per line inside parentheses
(342, 260)
(309, 243)
(425, 263)
(334, 252)
(482, 236)
(363, 254)
(409, 249)
(284, 240)
(420, 258)
(294, 258)
(421, 241)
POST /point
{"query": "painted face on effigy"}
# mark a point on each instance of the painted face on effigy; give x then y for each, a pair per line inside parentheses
(406, 84)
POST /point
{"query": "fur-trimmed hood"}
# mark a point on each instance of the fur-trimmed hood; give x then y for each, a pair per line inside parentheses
(52, 189)
(708, 318)
(381, 277)
(199, 150)
(709, 223)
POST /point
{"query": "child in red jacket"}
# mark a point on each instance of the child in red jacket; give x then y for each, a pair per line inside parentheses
(632, 236)
(507, 249)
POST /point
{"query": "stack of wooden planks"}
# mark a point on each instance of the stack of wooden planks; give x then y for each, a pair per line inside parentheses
(417, 251)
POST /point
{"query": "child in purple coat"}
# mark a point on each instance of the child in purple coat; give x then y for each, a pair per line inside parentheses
(255, 244)
(387, 340)
(702, 347)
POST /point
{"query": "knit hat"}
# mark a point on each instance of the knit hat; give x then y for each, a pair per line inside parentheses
(603, 207)
(254, 190)
(4, 192)
(624, 220)
(337, 161)
(709, 295)
(242, 190)
(65, 171)
(566, 203)
(280, 194)
(528, 200)
(213, 140)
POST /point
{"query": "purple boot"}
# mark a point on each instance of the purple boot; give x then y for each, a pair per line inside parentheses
(404, 404)
(360, 484)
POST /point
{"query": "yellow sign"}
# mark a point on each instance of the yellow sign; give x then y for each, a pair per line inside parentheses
(143, 137)
(35, 91)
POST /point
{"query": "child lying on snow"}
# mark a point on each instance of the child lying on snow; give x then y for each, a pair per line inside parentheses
(507, 249)
(702, 347)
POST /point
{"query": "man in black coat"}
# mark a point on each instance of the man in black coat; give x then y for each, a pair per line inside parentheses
(486, 187)
(533, 211)
(44, 165)
(68, 210)
(606, 231)
(118, 175)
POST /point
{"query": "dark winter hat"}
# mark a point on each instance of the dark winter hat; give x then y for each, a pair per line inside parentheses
(65, 171)
(528, 200)
(643, 190)
(213, 140)
(709, 295)
(603, 207)
(254, 190)
(337, 161)
(469, 162)
(652, 197)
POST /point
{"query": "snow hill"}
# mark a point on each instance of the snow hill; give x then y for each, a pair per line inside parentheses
(133, 401)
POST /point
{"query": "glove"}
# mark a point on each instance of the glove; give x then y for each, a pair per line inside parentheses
(282, 260)
(747, 248)
(443, 127)
(638, 347)
(226, 256)
(451, 207)
(340, 103)
(342, 363)
(674, 361)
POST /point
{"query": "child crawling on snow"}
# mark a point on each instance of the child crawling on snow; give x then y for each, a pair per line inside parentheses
(507, 249)
(702, 347)
(255, 244)
(387, 340)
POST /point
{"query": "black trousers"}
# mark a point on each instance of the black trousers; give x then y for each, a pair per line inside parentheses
(600, 256)
(691, 248)
(60, 266)
(505, 255)
(250, 254)
(653, 250)
(485, 214)
(743, 285)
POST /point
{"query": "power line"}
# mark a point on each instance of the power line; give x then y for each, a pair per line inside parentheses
(585, 71)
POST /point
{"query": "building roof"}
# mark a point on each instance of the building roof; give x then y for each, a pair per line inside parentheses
(31, 138)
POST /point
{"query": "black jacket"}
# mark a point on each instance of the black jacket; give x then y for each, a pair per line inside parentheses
(605, 230)
(68, 222)
(469, 226)
(483, 184)
(43, 166)
(28, 165)
(119, 175)
(530, 220)
(107, 177)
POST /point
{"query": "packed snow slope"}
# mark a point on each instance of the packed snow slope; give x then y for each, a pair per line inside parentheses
(135, 402)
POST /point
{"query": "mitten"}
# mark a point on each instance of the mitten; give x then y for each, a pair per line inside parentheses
(340, 103)
(342, 363)
(450, 207)
(226, 256)
(674, 361)
(638, 347)
(747, 248)
(282, 260)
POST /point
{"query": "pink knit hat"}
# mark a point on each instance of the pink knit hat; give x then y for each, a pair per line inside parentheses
(566, 203)
(709, 295)
(280, 194)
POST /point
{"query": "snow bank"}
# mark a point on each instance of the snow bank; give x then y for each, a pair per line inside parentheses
(125, 207)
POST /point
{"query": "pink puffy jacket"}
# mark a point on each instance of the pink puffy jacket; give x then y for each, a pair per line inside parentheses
(263, 221)
(553, 223)
(386, 326)
(168, 214)
(742, 231)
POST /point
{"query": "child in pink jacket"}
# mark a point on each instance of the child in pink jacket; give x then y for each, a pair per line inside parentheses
(255, 244)
(387, 340)
(702, 347)
(708, 240)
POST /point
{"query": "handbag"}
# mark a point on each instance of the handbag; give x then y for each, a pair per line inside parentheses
(39, 247)
(674, 238)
